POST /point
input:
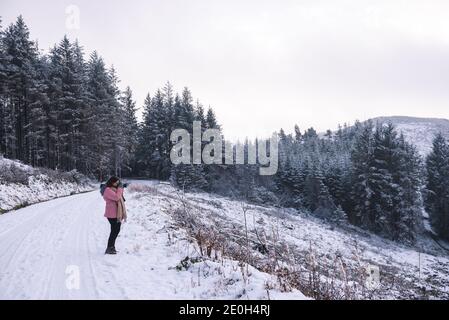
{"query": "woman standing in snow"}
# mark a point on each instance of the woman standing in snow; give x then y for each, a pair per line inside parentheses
(115, 210)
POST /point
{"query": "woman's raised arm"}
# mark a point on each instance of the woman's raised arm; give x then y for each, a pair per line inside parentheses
(111, 195)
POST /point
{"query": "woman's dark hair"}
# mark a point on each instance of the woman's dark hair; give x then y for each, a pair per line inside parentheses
(111, 181)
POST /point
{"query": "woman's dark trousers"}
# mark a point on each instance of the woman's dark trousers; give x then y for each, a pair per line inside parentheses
(115, 230)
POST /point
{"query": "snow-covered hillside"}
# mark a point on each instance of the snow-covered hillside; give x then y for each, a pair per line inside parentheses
(201, 246)
(419, 131)
(297, 248)
(21, 185)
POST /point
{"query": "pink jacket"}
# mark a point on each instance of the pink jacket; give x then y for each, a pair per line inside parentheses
(111, 197)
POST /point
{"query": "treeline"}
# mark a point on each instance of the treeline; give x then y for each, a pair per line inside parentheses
(163, 113)
(366, 174)
(62, 112)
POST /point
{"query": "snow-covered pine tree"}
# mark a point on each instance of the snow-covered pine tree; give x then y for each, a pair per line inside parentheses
(104, 118)
(3, 90)
(130, 130)
(298, 135)
(67, 105)
(20, 55)
(386, 183)
(334, 177)
(437, 196)
(189, 176)
(6, 118)
(310, 134)
(39, 121)
(145, 140)
(155, 153)
(118, 138)
(313, 186)
(362, 158)
(199, 115)
(384, 188)
(211, 120)
(168, 126)
(409, 202)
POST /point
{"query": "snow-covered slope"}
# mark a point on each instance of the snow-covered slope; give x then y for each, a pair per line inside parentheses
(21, 185)
(297, 248)
(419, 131)
(196, 245)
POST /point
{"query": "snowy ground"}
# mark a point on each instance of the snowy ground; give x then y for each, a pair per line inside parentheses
(341, 256)
(44, 247)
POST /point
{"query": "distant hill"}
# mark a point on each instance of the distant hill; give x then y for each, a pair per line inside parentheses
(419, 131)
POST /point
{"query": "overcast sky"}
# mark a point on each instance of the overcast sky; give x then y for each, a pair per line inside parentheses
(263, 65)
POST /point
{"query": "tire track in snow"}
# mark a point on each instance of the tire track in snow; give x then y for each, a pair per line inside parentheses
(20, 242)
(74, 252)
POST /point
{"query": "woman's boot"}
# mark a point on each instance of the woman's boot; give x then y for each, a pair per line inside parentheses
(110, 250)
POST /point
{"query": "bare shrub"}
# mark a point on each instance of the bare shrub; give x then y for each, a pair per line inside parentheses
(13, 173)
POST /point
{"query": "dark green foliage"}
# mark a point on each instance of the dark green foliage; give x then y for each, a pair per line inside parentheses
(437, 195)
(60, 112)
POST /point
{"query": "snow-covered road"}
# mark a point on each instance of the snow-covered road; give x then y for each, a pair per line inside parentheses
(43, 246)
